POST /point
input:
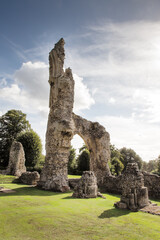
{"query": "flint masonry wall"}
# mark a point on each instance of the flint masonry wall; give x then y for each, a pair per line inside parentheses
(63, 124)
(112, 184)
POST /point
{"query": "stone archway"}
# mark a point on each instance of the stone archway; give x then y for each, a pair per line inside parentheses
(97, 141)
(63, 124)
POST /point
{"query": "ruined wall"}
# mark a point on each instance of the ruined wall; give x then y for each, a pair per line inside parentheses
(63, 125)
(97, 140)
(152, 182)
(59, 129)
(112, 184)
(16, 164)
(134, 193)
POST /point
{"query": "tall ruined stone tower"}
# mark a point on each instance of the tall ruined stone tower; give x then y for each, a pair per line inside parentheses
(59, 129)
(63, 124)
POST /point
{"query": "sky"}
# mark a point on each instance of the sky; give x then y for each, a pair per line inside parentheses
(113, 49)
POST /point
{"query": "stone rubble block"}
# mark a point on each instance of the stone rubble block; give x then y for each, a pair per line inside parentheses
(30, 178)
(134, 194)
(87, 186)
(16, 164)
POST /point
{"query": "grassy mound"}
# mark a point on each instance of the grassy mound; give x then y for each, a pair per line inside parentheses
(33, 214)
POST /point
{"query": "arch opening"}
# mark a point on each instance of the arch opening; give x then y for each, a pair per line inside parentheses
(79, 156)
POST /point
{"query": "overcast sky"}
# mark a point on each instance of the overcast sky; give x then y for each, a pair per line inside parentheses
(113, 49)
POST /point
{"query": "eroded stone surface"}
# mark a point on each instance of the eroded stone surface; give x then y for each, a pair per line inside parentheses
(97, 141)
(152, 182)
(16, 164)
(87, 186)
(30, 178)
(63, 125)
(134, 194)
(59, 129)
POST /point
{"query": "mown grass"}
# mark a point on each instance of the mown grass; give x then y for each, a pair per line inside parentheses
(33, 214)
(7, 179)
(74, 176)
(10, 179)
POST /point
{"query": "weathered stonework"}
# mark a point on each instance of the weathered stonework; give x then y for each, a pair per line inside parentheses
(134, 194)
(112, 184)
(59, 129)
(16, 164)
(30, 178)
(97, 141)
(87, 186)
(152, 182)
(63, 124)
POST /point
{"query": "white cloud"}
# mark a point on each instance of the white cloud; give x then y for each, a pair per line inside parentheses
(82, 98)
(119, 59)
(131, 133)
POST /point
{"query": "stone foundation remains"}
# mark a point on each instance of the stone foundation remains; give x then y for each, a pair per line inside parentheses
(16, 164)
(30, 178)
(63, 124)
(87, 186)
(112, 184)
(134, 194)
(152, 182)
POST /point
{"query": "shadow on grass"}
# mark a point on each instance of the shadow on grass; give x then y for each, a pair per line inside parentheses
(30, 191)
(114, 212)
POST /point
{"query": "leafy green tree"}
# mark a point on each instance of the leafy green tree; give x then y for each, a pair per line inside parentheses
(158, 165)
(12, 124)
(116, 165)
(128, 154)
(152, 165)
(32, 147)
(83, 160)
(72, 165)
(144, 166)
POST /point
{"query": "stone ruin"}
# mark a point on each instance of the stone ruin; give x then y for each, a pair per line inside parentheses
(16, 164)
(134, 194)
(87, 186)
(30, 178)
(63, 124)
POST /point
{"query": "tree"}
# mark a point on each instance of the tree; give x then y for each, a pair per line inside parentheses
(83, 160)
(72, 161)
(152, 165)
(159, 165)
(116, 165)
(128, 154)
(32, 147)
(11, 125)
(144, 166)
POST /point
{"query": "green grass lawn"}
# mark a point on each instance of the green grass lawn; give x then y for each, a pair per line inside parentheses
(74, 176)
(33, 214)
(6, 179)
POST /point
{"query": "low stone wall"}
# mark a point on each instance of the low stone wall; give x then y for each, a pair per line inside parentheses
(112, 184)
(73, 182)
(152, 182)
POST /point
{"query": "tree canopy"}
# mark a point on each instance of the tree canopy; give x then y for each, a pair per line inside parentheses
(116, 165)
(72, 164)
(32, 147)
(128, 154)
(12, 124)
